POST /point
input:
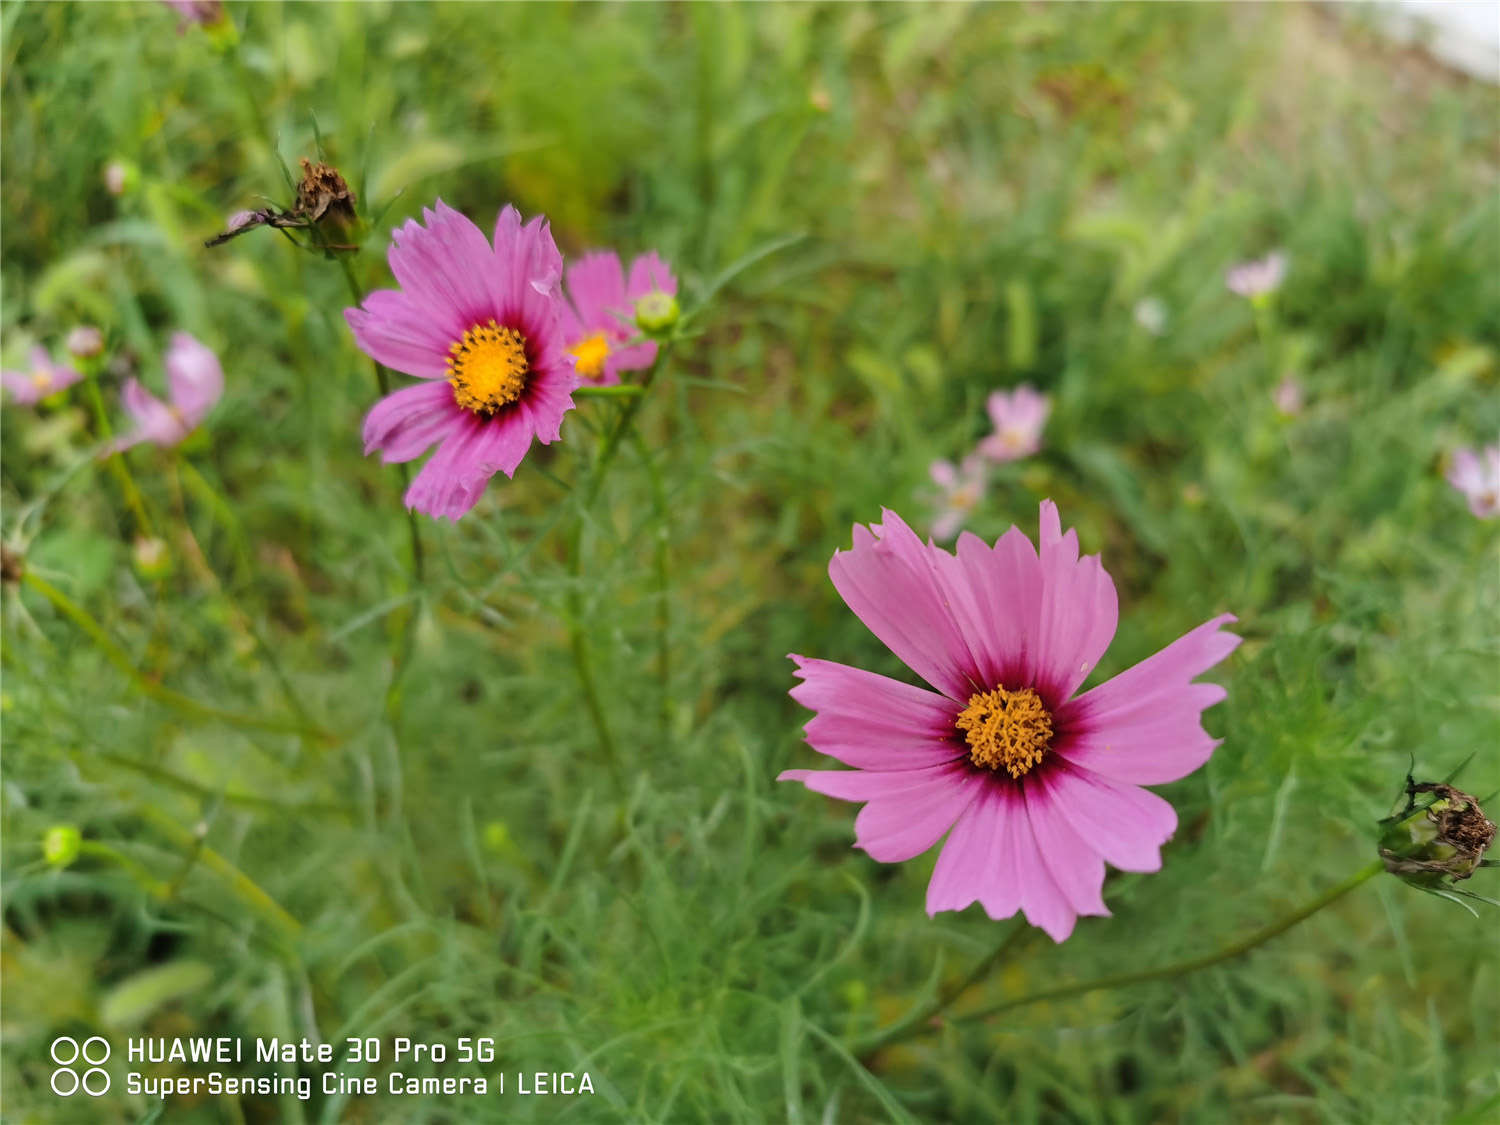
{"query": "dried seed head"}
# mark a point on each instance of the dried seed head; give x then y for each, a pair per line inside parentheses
(1443, 838)
(323, 193)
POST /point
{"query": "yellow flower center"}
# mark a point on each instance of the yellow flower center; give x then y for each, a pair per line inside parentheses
(488, 368)
(41, 380)
(589, 355)
(1008, 730)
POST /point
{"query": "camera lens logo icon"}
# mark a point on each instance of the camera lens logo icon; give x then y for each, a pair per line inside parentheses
(68, 1053)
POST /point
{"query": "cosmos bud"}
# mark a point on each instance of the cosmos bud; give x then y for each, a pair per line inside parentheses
(656, 314)
(61, 844)
(151, 557)
(85, 342)
(1444, 837)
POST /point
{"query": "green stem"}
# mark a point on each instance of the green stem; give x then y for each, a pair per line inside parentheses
(1182, 968)
(914, 1022)
(178, 702)
(662, 561)
(116, 461)
(383, 381)
(577, 639)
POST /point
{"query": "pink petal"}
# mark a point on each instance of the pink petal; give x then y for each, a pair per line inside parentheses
(393, 330)
(634, 357)
(979, 860)
(154, 420)
(890, 580)
(650, 274)
(23, 391)
(404, 424)
(1076, 869)
(474, 450)
(596, 283)
(1004, 584)
(1125, 824)
(993, 856)
(448, 267)
(195, 380)
(907, 811)
(1079, 612)
(531, 262)
(872, 722)
(1142, 727)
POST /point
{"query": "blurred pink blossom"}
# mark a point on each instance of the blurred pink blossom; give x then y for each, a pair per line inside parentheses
(195, 380)
(962, 488)
(1018, 417)
(1258, 278)
(1477, 476)
(1288, 396)
(27, 388)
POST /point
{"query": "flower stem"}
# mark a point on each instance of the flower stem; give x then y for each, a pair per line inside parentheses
(907, 1028)
(577, 639)
(116, 461)
(662, 560)
(918, 1018)
(175, 700)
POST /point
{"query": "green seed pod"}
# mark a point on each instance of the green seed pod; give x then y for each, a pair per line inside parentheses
(1442, 838)
(152, 558)
(656, 314)
(60, 845)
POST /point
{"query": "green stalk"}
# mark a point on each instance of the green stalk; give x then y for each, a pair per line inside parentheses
(178, 702)
(116, 461)
(662, 566)
(914, 1022)
(577, 639)
(906, 1029)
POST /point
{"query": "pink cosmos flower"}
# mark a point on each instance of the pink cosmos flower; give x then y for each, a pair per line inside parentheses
(85, 342)
(194, 383)
(1018, 418)
(1477, 476)
(202, 12)
(27, 388)
(1258, 278)
(1288, 396)
(600, 320)
(1040, 787)
(962, 489)
(478, 322)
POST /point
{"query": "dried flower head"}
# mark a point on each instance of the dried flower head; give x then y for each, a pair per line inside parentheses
(1431, 841)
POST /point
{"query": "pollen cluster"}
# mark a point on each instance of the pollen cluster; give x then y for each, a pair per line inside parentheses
(589, 355)
(1008, 730)
(488, 368)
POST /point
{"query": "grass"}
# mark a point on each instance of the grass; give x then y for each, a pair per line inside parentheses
(919, 205)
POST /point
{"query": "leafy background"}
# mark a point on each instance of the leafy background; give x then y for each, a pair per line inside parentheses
(982, 194)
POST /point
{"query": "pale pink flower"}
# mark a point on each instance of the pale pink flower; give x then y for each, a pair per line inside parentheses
(1288, 396)
(1018, 417)
(477, 321)
(962, 488)
(195, 380)
(1477, 476)
(27, 388)
(1257, 278)
(85, 342)
(202, 12)
(1038, 786)
(1151, 314)
(116, 177)
(598, 322)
